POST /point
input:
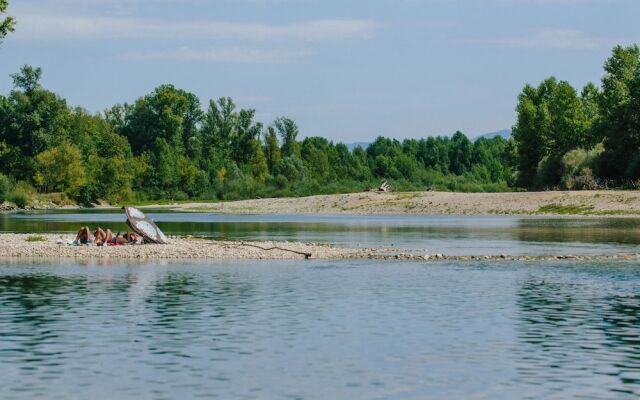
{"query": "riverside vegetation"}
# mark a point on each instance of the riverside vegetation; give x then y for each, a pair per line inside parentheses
(166, 145)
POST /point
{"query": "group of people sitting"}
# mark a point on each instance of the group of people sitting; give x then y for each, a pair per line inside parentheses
(101, 237)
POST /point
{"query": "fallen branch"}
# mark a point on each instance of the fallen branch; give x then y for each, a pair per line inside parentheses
(306, 255)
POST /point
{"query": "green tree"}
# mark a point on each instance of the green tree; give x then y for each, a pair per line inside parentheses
(258, 162)
(589, 98)
(7, 24)
(168, 113)
(288, 131)
(619, 104)
(219, 128)
(32, 120)
(60, 169)
(243, 140)
(460, 153)
(551, 121)
(164, 128)
(315, 154)
(272, 148)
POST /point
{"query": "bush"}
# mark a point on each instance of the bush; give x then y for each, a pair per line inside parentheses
(19, 198)
(21, 194)
(87, 194)
(584, 181)
(577, 164)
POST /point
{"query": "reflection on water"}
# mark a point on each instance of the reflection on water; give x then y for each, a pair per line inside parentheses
(453, 235)
(354, 330)
(584, 337)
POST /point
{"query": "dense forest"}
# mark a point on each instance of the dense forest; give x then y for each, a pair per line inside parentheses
(168, 145)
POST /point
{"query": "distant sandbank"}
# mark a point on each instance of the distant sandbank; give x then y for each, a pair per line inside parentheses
(593, 203)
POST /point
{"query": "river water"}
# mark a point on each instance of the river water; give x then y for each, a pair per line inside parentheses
(328, 329)
(453, 235)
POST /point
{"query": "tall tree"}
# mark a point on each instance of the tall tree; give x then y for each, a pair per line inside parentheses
(460, 153)
(589, 98)
(551, 121)
(620, 110)
(288, 131)
(7, 24)
(219, 128)
(272, 148)
(60, 169)
(32, 120)
(246, 133)
(168, 113)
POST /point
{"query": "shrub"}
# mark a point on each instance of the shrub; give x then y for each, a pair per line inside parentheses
(584, 181)
(577, 164)
(19, 198)
(87, 194)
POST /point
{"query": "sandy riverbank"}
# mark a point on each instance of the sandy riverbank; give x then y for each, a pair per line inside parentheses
(604, 203)
(16, 246)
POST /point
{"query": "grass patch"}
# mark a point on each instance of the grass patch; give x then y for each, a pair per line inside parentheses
(565, 210)
(36, 238)
(617, 212)
(581, 210)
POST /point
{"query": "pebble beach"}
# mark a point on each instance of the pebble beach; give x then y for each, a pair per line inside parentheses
(54, 246)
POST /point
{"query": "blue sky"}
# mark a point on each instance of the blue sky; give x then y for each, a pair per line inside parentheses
(346, 70)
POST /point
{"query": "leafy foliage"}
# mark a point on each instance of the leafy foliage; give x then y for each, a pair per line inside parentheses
(571, 141)
(166, 146)
(7, 24)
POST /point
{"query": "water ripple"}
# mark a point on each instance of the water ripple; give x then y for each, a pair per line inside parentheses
(320, 330)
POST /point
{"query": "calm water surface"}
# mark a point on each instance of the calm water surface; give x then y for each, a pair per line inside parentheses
(455, 235)
(320, 330)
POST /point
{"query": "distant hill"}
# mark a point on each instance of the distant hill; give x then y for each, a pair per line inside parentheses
(505, 133)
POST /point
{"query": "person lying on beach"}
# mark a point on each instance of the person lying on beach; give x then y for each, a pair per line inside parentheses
(84, 236)
(103, 238)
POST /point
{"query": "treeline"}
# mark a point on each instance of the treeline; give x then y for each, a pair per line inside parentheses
(585, 140)
(167, 146)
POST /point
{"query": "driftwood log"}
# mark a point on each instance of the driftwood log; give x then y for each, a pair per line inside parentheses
(306, 255)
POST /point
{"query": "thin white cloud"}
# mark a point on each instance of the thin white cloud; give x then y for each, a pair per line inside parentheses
(236, 55)
(557, 39)
(48, 27)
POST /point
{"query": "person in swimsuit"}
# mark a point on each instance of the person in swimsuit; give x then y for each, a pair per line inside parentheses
(84, 236)
(103, 238)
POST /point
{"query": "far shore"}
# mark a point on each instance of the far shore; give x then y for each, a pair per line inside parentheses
(54, 246)
(602, 203)
(585, 203)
